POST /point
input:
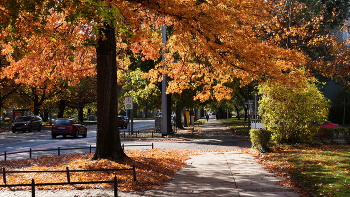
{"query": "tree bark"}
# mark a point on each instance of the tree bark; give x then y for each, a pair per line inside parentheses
(61, 106)
(108, 140)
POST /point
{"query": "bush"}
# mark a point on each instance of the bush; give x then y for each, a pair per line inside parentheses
(260, 139)
(288, 111)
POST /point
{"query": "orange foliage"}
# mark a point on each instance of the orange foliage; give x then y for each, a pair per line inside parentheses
(49, 58)
(211, 43)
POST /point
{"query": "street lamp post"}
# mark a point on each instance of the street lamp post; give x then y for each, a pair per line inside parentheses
(164, 87)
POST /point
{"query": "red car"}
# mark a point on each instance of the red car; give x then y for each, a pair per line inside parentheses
(68, 126)
(329, 124)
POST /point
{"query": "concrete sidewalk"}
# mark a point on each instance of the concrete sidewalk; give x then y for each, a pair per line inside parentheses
(232, 174)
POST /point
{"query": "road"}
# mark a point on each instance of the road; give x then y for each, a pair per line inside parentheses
(16, 142)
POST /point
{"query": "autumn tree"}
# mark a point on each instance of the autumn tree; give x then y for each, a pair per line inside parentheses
(45, 61)
(211, 44)
(313, 27)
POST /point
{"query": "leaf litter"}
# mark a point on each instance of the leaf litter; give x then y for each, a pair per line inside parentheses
(154, 167)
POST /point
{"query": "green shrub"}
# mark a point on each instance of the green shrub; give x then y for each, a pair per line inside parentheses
(260, 139)
(288, 111)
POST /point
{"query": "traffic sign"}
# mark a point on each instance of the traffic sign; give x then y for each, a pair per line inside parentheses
(128, 102)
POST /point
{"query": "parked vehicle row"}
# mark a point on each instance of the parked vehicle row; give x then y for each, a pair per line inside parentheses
(27, 123)
(62, 126)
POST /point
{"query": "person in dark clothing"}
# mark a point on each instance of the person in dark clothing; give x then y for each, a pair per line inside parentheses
(207, 116)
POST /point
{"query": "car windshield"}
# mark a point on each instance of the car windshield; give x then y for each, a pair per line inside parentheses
(23, 119)
(63, 121)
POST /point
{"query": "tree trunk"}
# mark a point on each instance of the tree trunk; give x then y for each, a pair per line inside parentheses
(81, 111)
(61, 107)
(36, 103)
(108, 140)
(45, 116)
(178, 118)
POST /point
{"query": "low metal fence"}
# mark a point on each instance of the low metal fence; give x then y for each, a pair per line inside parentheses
(69, 182)
(59, 150)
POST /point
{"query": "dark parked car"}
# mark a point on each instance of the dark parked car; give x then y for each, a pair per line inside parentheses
(68, 126)
(122, 122)
(27, 123)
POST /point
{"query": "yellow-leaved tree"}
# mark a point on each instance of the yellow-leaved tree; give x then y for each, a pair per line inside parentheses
(289, 111)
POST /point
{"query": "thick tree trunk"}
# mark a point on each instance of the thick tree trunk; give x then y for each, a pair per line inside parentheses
(108, 140)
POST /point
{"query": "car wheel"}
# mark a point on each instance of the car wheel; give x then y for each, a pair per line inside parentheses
(13, 131)
(30, 129)
(53, 136)
(75, 134)
(85, 134)
(39, 128)
(64, 136)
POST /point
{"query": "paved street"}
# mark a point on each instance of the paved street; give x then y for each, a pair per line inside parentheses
(16, 142)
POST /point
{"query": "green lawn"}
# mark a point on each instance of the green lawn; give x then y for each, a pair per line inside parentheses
(239, 127)
(324, 169)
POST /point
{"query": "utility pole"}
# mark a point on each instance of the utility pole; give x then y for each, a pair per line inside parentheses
(165, 112)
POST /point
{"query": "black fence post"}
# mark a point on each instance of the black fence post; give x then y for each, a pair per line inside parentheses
(134, 171)
(68, 177)
(5, 156)
(4, 175)
(152, 145)
(30, 153)
(33, 188)
(90, 148)
(115, 186)
(59, 151)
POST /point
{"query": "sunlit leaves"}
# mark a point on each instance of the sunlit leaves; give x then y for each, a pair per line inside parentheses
(153, 168)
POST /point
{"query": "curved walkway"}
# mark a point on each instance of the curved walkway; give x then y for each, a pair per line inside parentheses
(231, 174)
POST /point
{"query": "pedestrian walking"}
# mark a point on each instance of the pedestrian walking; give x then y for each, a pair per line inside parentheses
(207, 116)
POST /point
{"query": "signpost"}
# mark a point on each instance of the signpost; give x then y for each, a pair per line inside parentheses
(128, 103)
(128, 106)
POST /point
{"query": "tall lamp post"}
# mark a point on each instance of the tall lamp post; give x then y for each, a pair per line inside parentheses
(165, 112)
